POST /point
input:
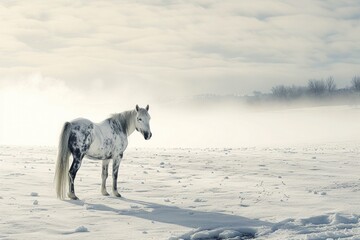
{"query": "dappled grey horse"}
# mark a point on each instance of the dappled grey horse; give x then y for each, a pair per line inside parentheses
(103, 141)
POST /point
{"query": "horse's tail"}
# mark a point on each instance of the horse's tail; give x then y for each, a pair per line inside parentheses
(62, 163)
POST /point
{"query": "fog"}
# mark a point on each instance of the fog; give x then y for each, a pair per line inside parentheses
(33, 114)
(237, 126)
(59, 62)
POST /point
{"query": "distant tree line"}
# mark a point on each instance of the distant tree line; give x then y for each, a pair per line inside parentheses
(323, 89)
(315, 88)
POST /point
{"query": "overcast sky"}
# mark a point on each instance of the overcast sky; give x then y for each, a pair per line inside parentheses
(70, 53)
(183, 47)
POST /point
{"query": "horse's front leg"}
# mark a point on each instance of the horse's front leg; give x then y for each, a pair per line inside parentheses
(104, 175)
(116, 164)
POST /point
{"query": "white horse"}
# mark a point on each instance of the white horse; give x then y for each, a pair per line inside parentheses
(102, 141)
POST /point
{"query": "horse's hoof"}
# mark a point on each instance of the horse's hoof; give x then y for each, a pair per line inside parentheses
(72, 196)
(117, 195)
(105, 194)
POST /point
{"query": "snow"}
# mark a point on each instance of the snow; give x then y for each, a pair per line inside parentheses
(34, 194)
(81, 229)
(298, 192)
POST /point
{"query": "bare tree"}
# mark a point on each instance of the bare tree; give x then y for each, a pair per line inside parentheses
(285, 92)
(296, 91)
(279, 91)
(316, 87)
(355, 83)
(330, 84)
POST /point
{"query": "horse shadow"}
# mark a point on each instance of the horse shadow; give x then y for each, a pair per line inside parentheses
(190, 218)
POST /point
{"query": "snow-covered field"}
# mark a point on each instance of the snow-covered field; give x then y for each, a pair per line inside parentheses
(302, 192)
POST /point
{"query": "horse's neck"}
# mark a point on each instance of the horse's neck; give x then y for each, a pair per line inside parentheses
(125, 121)
(130, 121)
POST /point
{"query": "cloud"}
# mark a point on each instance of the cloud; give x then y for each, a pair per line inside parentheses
(176, 48)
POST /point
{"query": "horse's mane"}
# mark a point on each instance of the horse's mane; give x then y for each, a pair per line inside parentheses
(123, 119)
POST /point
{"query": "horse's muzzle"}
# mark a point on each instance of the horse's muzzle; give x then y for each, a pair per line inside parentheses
(147, 135)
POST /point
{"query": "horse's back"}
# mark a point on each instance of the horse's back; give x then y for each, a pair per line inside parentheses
(83, 126)
(81, 122)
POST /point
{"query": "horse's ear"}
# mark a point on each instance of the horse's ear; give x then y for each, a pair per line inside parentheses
(137, 108)
(147, 107)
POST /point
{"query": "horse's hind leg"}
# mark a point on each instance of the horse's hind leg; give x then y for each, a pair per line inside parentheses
(116, 164)
(104, 175)
(72, 174)
(79, 144)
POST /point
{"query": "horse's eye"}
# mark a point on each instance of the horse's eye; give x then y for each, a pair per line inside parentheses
(139, 119)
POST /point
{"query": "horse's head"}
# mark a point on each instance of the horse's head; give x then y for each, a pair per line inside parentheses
(142, 121)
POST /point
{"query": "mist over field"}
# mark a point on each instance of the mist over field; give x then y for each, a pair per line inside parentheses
(33, 114)
(235, 126)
